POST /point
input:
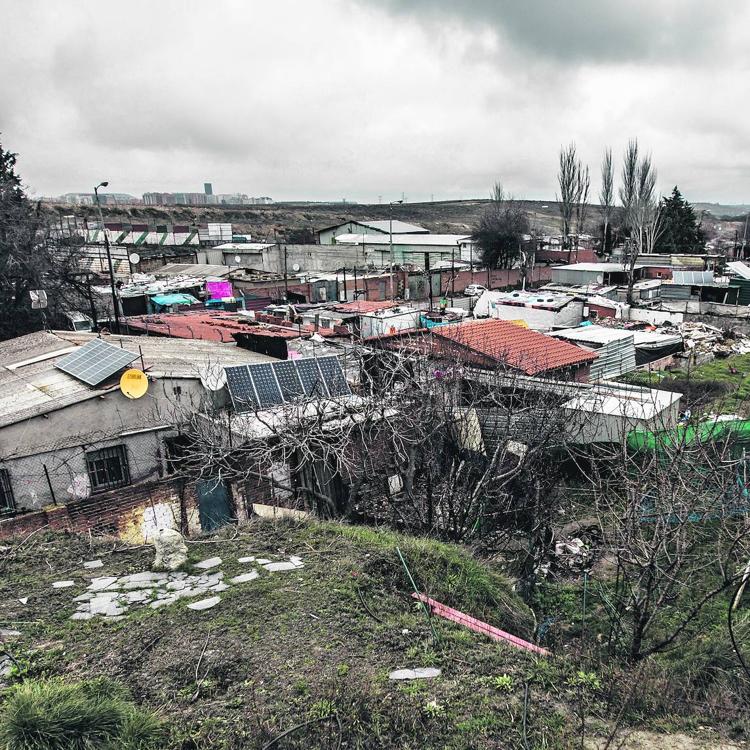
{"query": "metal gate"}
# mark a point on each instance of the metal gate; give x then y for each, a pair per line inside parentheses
(214, 506)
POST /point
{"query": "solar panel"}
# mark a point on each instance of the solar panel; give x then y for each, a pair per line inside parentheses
(286, 374)
(333, 376)
(273, 383)
(95, 361)
(310, 376)
(265, 385)
(241, 388)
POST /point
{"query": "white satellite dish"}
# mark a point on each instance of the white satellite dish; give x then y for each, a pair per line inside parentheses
(237, 259)
(295, 266)
(213, 377)
(134, 258)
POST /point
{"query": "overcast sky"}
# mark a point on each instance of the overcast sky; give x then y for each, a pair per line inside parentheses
(326, 99)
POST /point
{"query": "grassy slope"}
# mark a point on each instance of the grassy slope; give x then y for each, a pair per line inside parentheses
(293, 646)
(733, 390)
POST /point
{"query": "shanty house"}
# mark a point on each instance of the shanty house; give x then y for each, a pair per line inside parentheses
(489, 343)
(327, 235)
(541, 310)
(76, 452)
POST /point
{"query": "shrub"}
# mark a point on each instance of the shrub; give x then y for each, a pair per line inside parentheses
(90, 715)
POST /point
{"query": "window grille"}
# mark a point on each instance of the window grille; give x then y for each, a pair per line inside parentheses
(7, 501)
(108, 468)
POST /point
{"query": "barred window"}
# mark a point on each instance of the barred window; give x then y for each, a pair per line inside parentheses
(7, 501)
(108, 468)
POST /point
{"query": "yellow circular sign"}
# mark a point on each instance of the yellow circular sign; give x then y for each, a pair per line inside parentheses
(134, 383)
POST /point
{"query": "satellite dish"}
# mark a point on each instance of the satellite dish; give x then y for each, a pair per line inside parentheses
(238, 259)
(213, 377)
(134, 258)
(295, 266)
(134, 383)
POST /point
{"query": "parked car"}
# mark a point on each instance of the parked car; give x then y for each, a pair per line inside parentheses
(474, 290)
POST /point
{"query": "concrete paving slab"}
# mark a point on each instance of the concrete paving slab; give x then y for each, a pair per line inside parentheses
(420, 673)
(204, 603)
(63, 584)
(211, 562)
(245, 559)
(244, 577)
(91, 564)
(275, 567)
(99, 584)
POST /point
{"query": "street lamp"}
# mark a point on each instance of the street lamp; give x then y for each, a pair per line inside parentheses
(109, 255)
(391, 204)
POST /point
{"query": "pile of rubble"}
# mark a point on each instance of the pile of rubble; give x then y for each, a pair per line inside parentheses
(707, 339)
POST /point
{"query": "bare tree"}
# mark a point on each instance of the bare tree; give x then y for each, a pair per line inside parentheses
(567, 179)
(432, 442)
(673, 515)
(607, 195)
(574, 182)
(640, 208)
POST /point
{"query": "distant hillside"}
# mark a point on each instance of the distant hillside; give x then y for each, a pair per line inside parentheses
(280, 219)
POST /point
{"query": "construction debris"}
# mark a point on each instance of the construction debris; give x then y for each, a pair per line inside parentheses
(478, 626)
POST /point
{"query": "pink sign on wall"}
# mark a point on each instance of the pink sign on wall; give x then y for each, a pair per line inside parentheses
(219, 289)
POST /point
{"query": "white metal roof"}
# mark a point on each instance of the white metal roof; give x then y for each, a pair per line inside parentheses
(191, 269)
(246, 247)
(597, 267)
(448, 240)
(697, 278)
(399, 227)
(593, 334)
(741, 269)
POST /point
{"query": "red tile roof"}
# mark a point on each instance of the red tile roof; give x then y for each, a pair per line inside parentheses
(207, 326)
(364, 306)
(501, 341)
(217, 326)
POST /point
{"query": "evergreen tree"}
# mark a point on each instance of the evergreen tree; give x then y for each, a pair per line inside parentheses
(24, 256)
(500, 231)
(681, 230)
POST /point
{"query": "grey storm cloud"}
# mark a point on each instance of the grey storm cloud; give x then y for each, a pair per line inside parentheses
(365, 98)
(589, 30)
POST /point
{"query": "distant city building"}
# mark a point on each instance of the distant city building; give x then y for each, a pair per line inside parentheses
(106, 199)
(206, 198)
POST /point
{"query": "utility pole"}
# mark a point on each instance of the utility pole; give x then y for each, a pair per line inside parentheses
(109, 256)
(286, 277)
(453, 274)
(390, 233)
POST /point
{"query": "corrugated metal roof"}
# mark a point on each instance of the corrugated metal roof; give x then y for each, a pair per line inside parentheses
(399, 227)
(190, 269)
(593, 334)
(693, 278)
(447, 240)
(615, 347)
(520, 348)
(601, 267)
(381, 225)
(741, 269)
(32, 388)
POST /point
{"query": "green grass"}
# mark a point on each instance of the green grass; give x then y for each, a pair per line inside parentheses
(712, 385)
(317, 644)
(88, 715)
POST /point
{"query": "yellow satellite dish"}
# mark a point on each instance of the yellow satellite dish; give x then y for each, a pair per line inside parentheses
(134, 383)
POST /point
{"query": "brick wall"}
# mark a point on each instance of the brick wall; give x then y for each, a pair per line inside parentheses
(130, 513)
